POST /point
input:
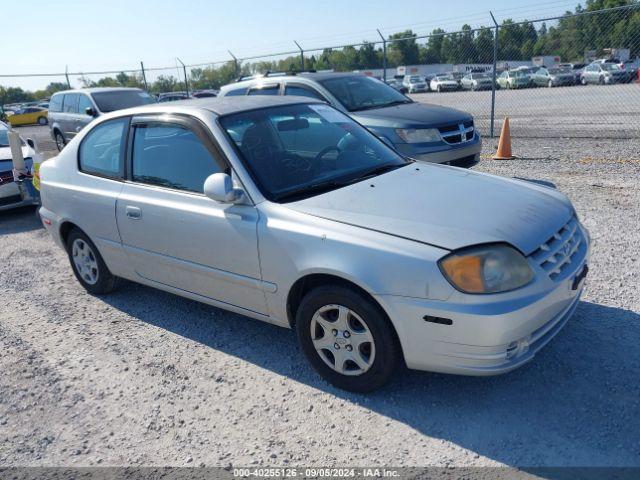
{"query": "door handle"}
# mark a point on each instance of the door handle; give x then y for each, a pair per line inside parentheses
(134, 213)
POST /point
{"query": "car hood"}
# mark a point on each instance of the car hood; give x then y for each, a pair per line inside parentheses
(446, 207)
(409, 115)
(5, 152)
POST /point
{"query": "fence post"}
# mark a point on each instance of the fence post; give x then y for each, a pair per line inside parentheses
(493, 86)
(144, 77)
(301, 56)
(186, 82)
(384, 56)
(66, 74)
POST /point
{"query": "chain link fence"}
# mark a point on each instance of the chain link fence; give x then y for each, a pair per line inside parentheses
(574, 76)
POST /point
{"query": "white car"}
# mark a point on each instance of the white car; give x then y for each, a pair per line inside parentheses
(286, 210)
(442, 83)
(14, 193)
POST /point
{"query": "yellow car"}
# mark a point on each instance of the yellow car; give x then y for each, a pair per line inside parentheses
(28, 116)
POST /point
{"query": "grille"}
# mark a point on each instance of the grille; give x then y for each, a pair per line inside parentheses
(458, 133)
(557, 253)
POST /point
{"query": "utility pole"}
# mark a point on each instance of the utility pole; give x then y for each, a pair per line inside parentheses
(384, 56)
(66, 74)
(144, 77)
(235, 64)
(186, 82)
(301, 56)
(493, 86)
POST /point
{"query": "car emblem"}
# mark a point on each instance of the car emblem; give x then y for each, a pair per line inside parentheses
(463, 133)
(566, 249)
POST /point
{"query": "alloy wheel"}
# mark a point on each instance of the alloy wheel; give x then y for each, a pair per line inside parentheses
(59, 141)
(343, 340)
(85, 261)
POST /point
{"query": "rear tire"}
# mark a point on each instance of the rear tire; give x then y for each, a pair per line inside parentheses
(60, 142)
(42, 120)
(361, 352)
(601, 81)
(88, 265)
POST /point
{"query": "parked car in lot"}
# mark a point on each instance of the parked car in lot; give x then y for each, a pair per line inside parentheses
(71, 110)
(172, 96)
(286, 210)
(552, 77)
(15, 194)
(205, 93)
(28, 116)
(603, 74)
(397, 85)
(514, 79)
(476, 81)
(428, 133)
(444, 83)
(415, 84)
(575, 68)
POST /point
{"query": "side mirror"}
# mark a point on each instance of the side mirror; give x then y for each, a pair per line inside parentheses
(31, 143)
(90, 111)
(219, 187)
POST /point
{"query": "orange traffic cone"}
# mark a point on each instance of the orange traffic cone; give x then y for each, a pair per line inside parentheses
(504, 145)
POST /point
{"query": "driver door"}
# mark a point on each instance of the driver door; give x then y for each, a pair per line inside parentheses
(173, 234)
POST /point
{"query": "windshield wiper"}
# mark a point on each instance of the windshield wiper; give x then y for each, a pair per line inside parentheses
(308, 190)
(381, 105)
(374, 172)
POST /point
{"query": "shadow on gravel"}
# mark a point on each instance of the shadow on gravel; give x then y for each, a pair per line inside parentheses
(575, 404)
(19, 220)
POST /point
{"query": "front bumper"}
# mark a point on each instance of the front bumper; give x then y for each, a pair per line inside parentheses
(486, 338)
(17, 194)
(464, 154)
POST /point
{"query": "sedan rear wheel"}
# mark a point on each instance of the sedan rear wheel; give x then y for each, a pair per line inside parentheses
(88, 265)
(42, 120)
(347, 338)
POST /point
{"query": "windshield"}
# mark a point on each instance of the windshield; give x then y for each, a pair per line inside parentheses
(444, 78)
(297, 151)
(520, 73)
(363, 93)
(415, 80)
(119, 99)
(4, 137)
(481, 76)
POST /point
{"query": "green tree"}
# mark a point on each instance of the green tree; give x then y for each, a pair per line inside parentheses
(403, 52)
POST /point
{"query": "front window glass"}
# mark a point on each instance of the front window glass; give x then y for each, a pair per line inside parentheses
(362, 93)
(611, 67)
(119, 99)
(170, 155)
(297, 151)
(83, 104)
(101, 149)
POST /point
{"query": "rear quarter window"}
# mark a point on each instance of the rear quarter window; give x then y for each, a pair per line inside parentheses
(236, 92)
(55, 104)
(101, 151)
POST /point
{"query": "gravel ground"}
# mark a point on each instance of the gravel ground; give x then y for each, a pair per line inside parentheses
(143, 377)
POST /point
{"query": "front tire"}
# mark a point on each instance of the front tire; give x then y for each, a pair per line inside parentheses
(347, 338)
(88, 265)
(42, 120)
(60, 142)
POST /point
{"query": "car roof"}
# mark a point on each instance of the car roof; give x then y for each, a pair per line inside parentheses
(233, 104)
(314, 76)
(97, 90)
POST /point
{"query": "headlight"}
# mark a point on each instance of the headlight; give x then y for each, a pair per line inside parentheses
(486, 269)
(418, 135)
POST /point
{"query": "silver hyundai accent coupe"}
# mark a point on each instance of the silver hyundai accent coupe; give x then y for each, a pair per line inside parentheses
(286, 210)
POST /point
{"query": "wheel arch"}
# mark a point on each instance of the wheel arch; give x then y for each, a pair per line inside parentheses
(65, 229)
(308, 282)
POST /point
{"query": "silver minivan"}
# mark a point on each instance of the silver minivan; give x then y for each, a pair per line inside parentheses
(71, 110)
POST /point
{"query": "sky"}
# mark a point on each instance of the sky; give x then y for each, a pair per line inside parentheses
(41, 36)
